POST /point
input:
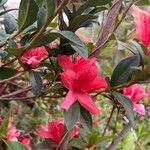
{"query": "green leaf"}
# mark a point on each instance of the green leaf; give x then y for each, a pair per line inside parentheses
(46, 14)
(50, 9)
(78, 143)
(4, 127)
(124, 69)
(36, 82)
(15, 51)
(27, 13)
(86, 119)
(79, 20)
(3, 36)
(6, 73)
(92, 3)
(75, 42)
(41, 17)
(72, 116)
(127, 104)
(14, 145)
(141, 76)
(10, 23)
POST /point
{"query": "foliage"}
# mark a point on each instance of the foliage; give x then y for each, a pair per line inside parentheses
(63, 62)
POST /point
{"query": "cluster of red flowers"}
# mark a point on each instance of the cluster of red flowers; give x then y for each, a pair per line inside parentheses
(14, 135)
(81, 78)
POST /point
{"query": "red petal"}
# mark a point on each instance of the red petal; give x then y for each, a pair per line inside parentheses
(86, 101)
(96, 84)
(65, 62)
(142, 21)
(69, 100)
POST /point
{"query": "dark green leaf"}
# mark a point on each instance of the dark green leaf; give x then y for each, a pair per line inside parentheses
(72, 116)
(124, 69)
(75, 42)
(41, 17)
(86, 119)
(27, 13)
(15, 51)
(78, 143)
(6, 73)
(141, 76)
(92, 3)
(127, 104)
(10, 23)
(14, 145)
(36, 82)
(50, 9)
(79, 20)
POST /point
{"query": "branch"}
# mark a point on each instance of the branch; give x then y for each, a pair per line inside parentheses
(120, 136)
(108, 121)
(107, 27)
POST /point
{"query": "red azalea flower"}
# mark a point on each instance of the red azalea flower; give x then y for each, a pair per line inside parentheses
(55, 131)
(34, 56)
(142, 25)
(80, 78)
(136, 93)
(25, 141)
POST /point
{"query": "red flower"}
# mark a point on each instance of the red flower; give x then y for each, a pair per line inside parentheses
(80, 78)
(34, 56)
(25, 141)
(55, 131)
(142, 25)
(136, 93)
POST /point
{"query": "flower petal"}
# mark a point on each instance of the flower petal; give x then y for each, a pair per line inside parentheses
(142, 21)
(86, 101)
(65, 62)
(139, 108)
(68, 101)
(96, 84)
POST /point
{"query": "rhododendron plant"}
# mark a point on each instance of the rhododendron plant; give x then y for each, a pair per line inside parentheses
(34, 56)
(136, 93)
(80, 78)
(82, 67)
(142, 22)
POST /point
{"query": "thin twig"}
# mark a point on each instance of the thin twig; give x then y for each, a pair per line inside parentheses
(123, 16)
(120, 136)
(12, 78)
(108, 121)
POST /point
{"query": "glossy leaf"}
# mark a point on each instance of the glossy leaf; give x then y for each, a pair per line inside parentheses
(36, 82)
(86, 119)
(10, 23)
(14, 145)
(127, 104)
(72, 116)
(124, 69)
(6, 73)
(75, 42)
(27, 13)
(92, 3)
